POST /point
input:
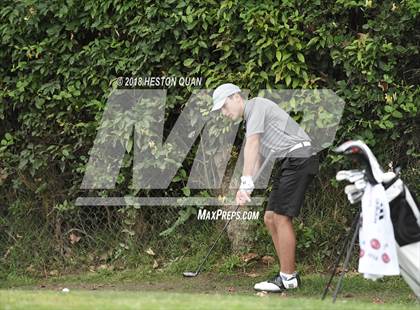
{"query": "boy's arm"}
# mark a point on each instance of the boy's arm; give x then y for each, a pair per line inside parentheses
(251, 155)
(251, 165)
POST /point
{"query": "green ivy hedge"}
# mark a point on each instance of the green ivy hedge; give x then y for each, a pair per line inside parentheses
(60, 60)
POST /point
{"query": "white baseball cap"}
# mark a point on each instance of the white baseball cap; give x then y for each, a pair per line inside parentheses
(221, 93)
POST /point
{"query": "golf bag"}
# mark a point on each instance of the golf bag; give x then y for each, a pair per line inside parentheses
(403, 207)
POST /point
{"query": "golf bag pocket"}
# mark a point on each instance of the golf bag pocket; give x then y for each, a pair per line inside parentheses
(404, 215)
(406, 229)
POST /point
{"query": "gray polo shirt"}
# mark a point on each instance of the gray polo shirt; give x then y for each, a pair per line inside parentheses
(278, 131)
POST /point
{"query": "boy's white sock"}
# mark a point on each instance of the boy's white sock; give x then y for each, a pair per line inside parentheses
(289, 280)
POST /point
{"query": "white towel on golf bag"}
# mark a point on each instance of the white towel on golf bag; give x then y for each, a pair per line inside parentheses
(378, 253)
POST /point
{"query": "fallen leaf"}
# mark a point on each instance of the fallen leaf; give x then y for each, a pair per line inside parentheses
(377, 300)
(252, 275)
(74, 238)
(155, 264)
(262, 294)
(102, 267)
(96, 286)
(6, 254)
(3, 175)
(53, 273)
(150, 252)
(249, 257)
(103, 256)
(350, 272)
(268, 260)
(362, 37)
(383, 85)
(30, 268)
(68, 252)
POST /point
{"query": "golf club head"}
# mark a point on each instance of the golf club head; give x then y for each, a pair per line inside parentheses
(350, 175)
(353, 193)
(364, 155)
(190, 274)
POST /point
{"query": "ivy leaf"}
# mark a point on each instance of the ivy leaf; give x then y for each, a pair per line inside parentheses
(389, 108)
(397, 114)
(129, 145)
(186, 190)
(188, 62)
(300, 57)
(176, 179)
(388, 124)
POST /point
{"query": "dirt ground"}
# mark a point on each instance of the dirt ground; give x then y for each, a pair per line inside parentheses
(207, 283)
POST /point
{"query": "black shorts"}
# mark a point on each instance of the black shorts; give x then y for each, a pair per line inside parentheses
(290, 179)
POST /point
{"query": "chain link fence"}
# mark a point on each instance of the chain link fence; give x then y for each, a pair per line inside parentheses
(44, 238)
(96, 237)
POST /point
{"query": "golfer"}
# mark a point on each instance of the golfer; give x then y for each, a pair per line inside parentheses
(270, 128)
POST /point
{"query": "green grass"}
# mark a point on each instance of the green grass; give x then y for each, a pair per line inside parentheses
(14, 299)
(161, 290)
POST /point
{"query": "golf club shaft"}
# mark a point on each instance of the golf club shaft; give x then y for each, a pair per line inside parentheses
(214, 243)
(255, 178)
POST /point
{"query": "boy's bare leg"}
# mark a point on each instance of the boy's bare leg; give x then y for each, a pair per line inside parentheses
(284, 239)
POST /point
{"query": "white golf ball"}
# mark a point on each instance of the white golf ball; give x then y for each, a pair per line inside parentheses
(65, 290)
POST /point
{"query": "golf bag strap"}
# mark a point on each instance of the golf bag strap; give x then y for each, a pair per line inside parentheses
(412, 204)
(394, 190)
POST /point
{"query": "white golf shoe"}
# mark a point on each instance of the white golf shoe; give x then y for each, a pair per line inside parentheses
(277, 284)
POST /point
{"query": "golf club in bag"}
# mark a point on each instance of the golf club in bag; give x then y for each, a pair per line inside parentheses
(404, 213)
(191, 274)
